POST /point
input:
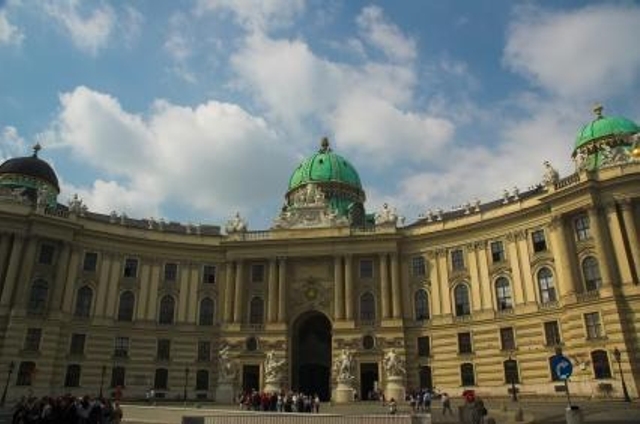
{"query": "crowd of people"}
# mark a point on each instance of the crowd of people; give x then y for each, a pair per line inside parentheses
(279, 402)
(66, 409)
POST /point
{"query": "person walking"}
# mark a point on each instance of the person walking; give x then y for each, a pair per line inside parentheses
(446, 404)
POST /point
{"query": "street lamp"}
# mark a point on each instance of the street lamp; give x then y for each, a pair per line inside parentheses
(616, 356)
(186, 382)
(12, 365)
(104, 369)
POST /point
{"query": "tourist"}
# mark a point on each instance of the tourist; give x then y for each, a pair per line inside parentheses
(393, 407)
(446, 404)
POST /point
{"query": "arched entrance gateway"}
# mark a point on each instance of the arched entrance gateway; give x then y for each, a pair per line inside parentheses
(311, 354)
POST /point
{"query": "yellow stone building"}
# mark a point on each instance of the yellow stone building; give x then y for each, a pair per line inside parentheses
(480, 297)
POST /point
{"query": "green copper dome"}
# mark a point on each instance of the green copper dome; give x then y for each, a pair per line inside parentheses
(605, 126)
(325, 166)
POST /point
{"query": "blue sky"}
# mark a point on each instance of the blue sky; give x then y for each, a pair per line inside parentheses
(193, 110)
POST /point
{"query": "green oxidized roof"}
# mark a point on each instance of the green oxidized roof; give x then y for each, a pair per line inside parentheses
(324, 166)
(604, 126)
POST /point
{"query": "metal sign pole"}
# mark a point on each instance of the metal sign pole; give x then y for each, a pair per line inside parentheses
(566, 389)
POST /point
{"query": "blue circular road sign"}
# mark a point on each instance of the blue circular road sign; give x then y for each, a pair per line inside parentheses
(562, 366)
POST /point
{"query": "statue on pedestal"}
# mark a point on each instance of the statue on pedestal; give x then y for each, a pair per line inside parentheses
(226, 367)
(236, 224)
(273, 368)
(551, 175)
(343, 367)
(393, 364)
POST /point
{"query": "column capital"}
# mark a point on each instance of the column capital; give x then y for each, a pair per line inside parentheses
(556, 222)
(626, 204)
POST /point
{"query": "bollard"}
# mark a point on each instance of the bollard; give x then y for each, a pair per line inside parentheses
(574, 415)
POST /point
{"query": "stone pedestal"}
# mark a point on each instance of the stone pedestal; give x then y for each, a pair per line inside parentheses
(225, 393)
(395, 389)
(271, 387)
(344, 393)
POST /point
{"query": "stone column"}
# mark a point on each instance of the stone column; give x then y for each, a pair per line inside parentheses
(564, 272)
(12, 271)
(436, 297)
(272, 290)
(5, 245)
(525, 266)
(632, 236)
(395, 286)
(238, 299)
(24, 274)
(103, 285)
(61, 273)
(145, 272)
(113, 289)
(192, 300)
(599, 234)
(338, 288)
(384, 286)
(70, 283)
(516, 281)
(282, 289)
(152, 299)
(470, 250)
(615, 230)
(485, 282)
(228, 292)
(348, 278)
(443, 279)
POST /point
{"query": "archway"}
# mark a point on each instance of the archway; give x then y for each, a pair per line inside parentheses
(311, 354)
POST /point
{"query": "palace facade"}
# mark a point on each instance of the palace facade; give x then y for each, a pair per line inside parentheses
(479, 297)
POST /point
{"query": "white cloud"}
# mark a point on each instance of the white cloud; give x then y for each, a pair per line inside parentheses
(588, 53)
(385, 35)
(9, 33)
(11, 143)
(256, 15)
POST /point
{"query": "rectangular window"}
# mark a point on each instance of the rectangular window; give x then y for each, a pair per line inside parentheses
(539, 241)
(202, 380)
(424, 349)
(464, 343)
(204, 351)
(32, 339)
(209, 274)
(117, 376)
(366, 268)
(497, 252)
(77, 344)
(163, 352)
(90, 262)
(507, 339)
(552, 333)
(582, 228)
(457, 260)
(418, 268)
(130, 268)
(45, 256)
(257, 273)
(121, 347)
(594, 327)
(170, 271)
(72, 377)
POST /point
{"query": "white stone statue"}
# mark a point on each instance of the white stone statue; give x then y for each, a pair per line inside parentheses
(387, 215)
(236, 224)
(42, 197)
(343, 367)
(393, 364)
(226, 367)
(273, 368)
(580, 160)
(551, 175)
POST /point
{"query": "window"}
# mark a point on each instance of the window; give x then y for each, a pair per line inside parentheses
(461, 297)
(552, 333)
(45, 257)
(256, 311)
(167, 306)
(204, 351)
(367, 307)
(252, 344)
(72, 377)
(497, 252)
(418, 268)
(507, 338)
(170, 271)
(554, 374)
(125, 308)
(32, 339)
(117, 376)
(538, 240)
(591, 272)
(163, 349)
(511, 374)
(467, 376)
(90, 262)
(209, 274)
(424, 349)
(366, 268)
(503, 294)
(368, 342)
(83, 302)
(582, 228)
(206, 312)
(594, 328)
(257, 273)
(121, 347)
(130, 268)
(161, 379)
(457, 260)
(600, 361)
(77, 344)
(464, 343)
(38, 297)
(421, 305)
(545, 285)
(26, 370)
(202, 380)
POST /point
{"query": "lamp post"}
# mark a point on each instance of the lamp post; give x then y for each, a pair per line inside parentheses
(186, 382)
(12, 365)
(104, 370)
(512, 374)
(616, 356)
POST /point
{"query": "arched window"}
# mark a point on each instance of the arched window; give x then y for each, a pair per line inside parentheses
(600, 361)
(83, 302)
(167, 306)
(545, 284)
(206, 312)
(461, 297)
(202, 380)
(467, 376)
(125, 308)
(511, 374)
(25, 373)
(421, 304)
(161, 379)
(38, 297)
(256, 311)
(367, 307)
(591, 272)
(503, 294)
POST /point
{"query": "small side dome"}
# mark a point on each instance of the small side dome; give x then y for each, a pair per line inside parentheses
(30, 173)
(603, 127)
